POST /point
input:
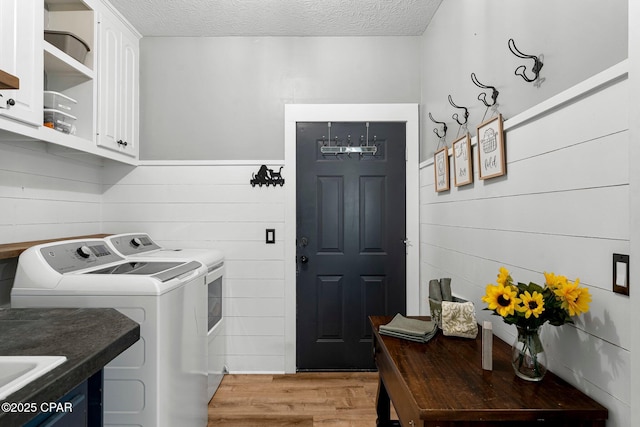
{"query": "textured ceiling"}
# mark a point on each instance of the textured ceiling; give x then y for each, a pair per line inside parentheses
(211, 18)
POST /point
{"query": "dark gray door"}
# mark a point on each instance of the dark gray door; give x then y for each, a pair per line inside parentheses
(350, 238)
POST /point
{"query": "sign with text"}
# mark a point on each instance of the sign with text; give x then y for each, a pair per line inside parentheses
(491, 157)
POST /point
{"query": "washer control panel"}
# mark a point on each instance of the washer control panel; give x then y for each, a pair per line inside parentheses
(133, 244)
(78, 255)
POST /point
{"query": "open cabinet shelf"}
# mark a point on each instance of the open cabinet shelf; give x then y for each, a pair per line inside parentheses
(68, 76)
(58, 62)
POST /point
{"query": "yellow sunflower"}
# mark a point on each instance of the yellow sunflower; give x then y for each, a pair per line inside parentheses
(553, 281)
(531, 304)
(502, 299)
(504, 277)
(574, 299)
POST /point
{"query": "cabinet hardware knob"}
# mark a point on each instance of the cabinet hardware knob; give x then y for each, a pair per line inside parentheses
(11, 102)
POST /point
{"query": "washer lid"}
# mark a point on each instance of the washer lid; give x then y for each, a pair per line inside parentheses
(163, 271)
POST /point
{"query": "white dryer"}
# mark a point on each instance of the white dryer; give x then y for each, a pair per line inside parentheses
(161, 380)
(140, 246)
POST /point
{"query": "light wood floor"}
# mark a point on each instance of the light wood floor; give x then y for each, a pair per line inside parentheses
(302, 399)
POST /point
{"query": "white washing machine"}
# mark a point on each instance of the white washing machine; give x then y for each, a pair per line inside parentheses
(140, 246)
(161, 380)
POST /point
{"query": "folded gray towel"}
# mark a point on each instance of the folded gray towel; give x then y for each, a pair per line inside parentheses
(410, 327)
(416, 338)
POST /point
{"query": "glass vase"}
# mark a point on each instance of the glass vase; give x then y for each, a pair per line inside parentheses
(528, 358)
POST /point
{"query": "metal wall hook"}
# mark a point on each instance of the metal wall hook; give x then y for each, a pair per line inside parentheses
(455, 116)
(483, 96)
(435, 130)
(521, 70)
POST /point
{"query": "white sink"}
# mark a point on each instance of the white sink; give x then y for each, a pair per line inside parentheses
(18, 371)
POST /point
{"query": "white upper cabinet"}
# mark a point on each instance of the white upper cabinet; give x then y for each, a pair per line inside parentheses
(39, 43)
(118, 87)
(21, 24)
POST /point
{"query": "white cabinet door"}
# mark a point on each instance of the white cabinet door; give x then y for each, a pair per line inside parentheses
(118, 87)
(129, 93)
(108, 84)
(21, 35)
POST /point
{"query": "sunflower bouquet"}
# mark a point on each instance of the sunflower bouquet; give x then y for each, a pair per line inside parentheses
(529, 306)
(532, 305)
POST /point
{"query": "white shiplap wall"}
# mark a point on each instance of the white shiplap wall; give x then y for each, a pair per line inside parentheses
(212, 205)
(563, 207)
(45, 196)
(42, 196)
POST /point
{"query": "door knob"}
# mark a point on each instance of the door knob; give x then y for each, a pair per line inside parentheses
(304, 259)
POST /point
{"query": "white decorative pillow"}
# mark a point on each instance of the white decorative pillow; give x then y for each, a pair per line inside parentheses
(459, 319)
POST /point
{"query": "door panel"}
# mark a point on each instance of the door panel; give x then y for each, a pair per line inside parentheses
(330, 308)
(331, 214)
(372, 211)
(374, 300)
(351, 231)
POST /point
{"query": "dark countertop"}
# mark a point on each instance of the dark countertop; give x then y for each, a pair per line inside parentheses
(89, 338)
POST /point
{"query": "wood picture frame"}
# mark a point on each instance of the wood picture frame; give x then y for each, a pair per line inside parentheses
(462, 164)
(491, 154)
(441, 169)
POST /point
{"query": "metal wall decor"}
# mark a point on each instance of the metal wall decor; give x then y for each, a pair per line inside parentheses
(267, 176)
(521, 70)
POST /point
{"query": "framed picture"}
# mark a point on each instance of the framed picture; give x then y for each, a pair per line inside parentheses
(491, 158)
(462, 166)
(441, 169)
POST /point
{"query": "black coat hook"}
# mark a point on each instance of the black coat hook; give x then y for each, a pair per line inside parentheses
(435, 130)
(521, 70)
(455, 116)
(483, 96)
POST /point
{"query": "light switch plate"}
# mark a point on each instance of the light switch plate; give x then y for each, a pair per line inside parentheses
(621, 274)
(270, 235)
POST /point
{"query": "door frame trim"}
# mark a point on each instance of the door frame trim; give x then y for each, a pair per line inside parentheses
(294, 113)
